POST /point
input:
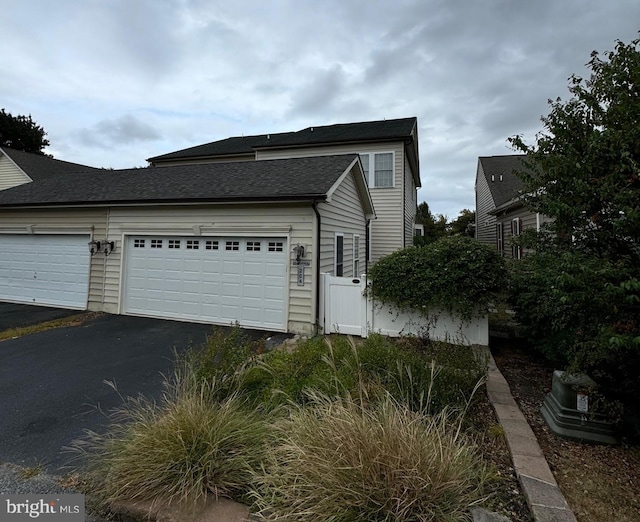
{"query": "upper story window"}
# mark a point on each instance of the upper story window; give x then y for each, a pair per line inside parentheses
(382, 173)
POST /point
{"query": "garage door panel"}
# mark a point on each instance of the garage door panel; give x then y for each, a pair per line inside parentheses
(221, 280)
(45, 269)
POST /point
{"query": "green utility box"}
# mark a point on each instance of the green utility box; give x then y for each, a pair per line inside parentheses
(566, 410)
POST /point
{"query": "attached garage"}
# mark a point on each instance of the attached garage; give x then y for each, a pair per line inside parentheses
(210, 279)
(50, 270)
(220, 243)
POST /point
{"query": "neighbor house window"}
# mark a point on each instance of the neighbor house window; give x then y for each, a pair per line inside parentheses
(500, 237)
(356, 255)
(339, 265)
(378, 168)
(516, 230)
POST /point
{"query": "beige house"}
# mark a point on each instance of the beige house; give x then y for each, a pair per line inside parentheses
(388, 151)
(218, 243)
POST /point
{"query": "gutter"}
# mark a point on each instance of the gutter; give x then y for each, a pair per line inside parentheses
(317, 249)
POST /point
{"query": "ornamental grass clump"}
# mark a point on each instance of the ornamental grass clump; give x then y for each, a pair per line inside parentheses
(182, 449)
(336, 459)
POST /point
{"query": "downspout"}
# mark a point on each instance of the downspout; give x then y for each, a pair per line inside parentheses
(317, 249)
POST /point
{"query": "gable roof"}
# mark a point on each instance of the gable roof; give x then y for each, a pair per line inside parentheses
(370, 131)
(498, 171)
(287, 179)
(38, 166)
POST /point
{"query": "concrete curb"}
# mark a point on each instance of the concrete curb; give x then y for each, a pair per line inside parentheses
(545, 500)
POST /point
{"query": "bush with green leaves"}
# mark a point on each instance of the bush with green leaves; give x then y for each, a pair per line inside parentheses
(339, 460)
(582, 312)
(458, 275)
(184, 448)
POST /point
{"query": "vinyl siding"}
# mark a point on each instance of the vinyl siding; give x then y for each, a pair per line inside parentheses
(46, 221)
(344, 214)
(220, 220)
(410, 203)
(388, 229)
(10, 175)
(529, 222)
(485, 223)
(200, 161)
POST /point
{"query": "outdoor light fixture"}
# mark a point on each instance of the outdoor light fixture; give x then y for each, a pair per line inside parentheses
(94, 247)
(109, 246)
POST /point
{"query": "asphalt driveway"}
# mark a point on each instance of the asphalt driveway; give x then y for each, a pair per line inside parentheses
(52, 383)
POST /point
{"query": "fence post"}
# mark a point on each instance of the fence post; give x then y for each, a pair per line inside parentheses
(323, 289)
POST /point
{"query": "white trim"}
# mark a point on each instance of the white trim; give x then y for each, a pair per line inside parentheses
(205, 230)
(356, 254)
(16, 165)
(362, 186)
(370, 177)
(47, 229)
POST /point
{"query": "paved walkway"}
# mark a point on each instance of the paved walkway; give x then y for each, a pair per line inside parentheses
(546, 502)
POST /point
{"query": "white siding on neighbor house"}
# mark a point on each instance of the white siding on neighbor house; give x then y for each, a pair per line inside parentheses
(220, 220)
(485, 223)
(388, 229)
(529, 221)
(64, 221)
(10, 174)
(410, 203)
(343, 214)
(200, 161)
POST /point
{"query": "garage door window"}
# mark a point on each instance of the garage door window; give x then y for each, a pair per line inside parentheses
(275, 246)
(232, 245)
(211, 245)
(138, 243)
(253, 246)
(193, 244)
(156, 243)
(174, 243)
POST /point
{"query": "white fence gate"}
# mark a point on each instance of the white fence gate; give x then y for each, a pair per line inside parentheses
(345, 308)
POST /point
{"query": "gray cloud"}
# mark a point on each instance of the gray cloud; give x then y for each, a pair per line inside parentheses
(125, 130)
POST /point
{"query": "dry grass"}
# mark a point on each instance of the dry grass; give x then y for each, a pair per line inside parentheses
(338, 460)
(73, 320)
(180, 450)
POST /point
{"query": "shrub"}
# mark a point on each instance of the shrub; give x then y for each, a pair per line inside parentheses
(456, 274)
(582, 312)
(338, 460)
(182, 449)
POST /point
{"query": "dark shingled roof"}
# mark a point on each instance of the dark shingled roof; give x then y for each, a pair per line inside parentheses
(286, 179)
(502, 168)
(38, 167)
(383, 130)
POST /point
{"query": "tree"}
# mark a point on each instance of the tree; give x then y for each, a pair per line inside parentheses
(578, 296)
(585, 166)
(435, 227)
(464, 224)
(21, 133)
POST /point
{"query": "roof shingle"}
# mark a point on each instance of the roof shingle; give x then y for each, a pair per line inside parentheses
(38, 167)
(300, 178)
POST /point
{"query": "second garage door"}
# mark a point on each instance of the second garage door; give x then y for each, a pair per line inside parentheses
(221, 280)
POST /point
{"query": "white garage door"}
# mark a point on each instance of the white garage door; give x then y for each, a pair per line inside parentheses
(45, 269)
(219, 280)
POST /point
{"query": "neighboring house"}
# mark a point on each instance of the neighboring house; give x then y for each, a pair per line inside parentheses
(17, 167)
(388, 150)
(500, 210)
(240, 241)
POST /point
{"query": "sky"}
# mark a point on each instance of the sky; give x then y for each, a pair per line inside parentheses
(114, 82)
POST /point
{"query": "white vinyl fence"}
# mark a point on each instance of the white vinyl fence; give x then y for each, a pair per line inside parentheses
(345, 308)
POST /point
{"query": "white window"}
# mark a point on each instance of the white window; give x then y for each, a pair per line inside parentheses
(232, 245)
(339, 260)
(156, 243)
(382, 173)
(138, 243)
(500, 237)
(174, 243)
(516, 230)
(253, 246)
(276, 246)
(356, 256)
(211, 245)
(193, 244)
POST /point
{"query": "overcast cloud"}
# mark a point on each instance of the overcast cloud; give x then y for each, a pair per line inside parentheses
(116, 81)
